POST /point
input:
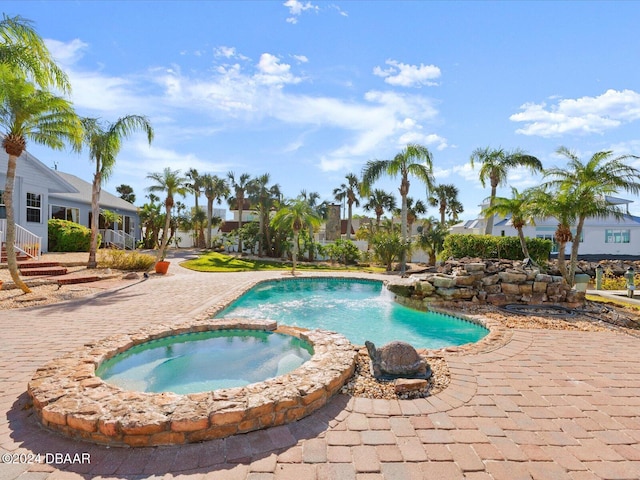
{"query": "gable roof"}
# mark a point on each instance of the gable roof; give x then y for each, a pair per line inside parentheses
(28, 165)
(83, 195)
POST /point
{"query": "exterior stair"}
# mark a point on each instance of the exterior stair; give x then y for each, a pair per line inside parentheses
(40, 269)
(20, 256)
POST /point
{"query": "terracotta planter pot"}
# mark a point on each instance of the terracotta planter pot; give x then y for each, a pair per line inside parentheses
(162, 267)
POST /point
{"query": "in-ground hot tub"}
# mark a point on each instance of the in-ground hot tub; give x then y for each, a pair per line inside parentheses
(69, 397)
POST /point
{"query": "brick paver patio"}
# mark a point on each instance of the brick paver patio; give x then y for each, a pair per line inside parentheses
(547, 405)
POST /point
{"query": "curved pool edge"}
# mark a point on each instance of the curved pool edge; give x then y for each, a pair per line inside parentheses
(69, 398)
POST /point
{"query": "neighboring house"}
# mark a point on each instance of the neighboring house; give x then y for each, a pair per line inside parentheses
(41, 193)
(600, 236)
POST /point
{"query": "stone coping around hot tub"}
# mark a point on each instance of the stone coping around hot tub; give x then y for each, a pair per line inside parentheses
(68, 397)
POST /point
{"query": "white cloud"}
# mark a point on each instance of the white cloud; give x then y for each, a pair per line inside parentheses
(581, 116)
(404, 75)
(296, 8)
(66, 53)
(300, 58)
(272, 71)
(254, 95)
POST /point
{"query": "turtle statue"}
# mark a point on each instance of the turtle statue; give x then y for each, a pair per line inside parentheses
(397, 360)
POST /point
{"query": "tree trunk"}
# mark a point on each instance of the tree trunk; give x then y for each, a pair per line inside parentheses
(240, 199)
(349, 216)
(575, 245)
(488, 230)
(209, 217)
(165, 236)
(294, 253)
(523, 243)
(403, 229)
(562, 265)
(12, 260)
(95, 216)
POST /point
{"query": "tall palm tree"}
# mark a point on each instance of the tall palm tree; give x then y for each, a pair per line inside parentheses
(194, 184)
(170, 183)
(414, 160)
(348, 192)
(320, 209)
(590, 183)
(378, 202)
(294, 216)
(239, 187)
(104, 143)
(23, 50)
(27, 113)
(445, 197)
(495, 165)
(215, 188)
(265, 198)
(519, 207)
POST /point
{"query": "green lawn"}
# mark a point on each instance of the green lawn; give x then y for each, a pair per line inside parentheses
(219, 262)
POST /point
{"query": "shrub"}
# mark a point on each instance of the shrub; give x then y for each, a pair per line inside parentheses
(611, 282)
(343, 251)
(486, 246)
(388, 247)
(122, 260)
(66, 236)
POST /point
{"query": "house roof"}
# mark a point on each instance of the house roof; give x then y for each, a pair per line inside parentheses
(83, 195)
(53, 182)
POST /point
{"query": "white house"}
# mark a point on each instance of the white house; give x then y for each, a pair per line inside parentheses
(600, 236)
(41, 193)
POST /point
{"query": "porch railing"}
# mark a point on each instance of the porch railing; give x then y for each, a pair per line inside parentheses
(26, 242)
(118, 239)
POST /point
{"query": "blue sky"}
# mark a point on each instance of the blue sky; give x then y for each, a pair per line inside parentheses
(310, 91)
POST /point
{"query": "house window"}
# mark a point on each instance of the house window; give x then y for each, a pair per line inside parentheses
(552, 237)
(34, 207)
(65, 213)
(617, 236)
(3, 209)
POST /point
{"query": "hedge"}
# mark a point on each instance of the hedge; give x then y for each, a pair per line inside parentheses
(459, 245)
(66, 236)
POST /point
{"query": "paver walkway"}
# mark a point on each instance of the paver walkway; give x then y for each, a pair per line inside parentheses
(548, 405)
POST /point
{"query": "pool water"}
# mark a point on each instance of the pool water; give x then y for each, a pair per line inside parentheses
(359, 309)
(204, 361)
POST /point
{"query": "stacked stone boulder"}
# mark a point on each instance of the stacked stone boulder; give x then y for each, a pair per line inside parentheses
(496, 282)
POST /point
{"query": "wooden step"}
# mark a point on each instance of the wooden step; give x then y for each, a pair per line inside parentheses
(43, 271)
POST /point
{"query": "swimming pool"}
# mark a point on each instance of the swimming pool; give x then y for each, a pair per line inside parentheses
(359, 309)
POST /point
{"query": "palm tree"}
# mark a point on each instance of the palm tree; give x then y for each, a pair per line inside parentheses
(519, 207)
(195, 184)
(431, 236)
(590, 183)
(104, 143)
(495, 164)
(27, 113)
(320, 209)
(445, 197)
(171, 183)
(348, 192)
(215, 188)
(379, 201)
(294, 216)
(543, 203)
(265, 198)
(24, 51)
(415, 160)
(239, 189)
